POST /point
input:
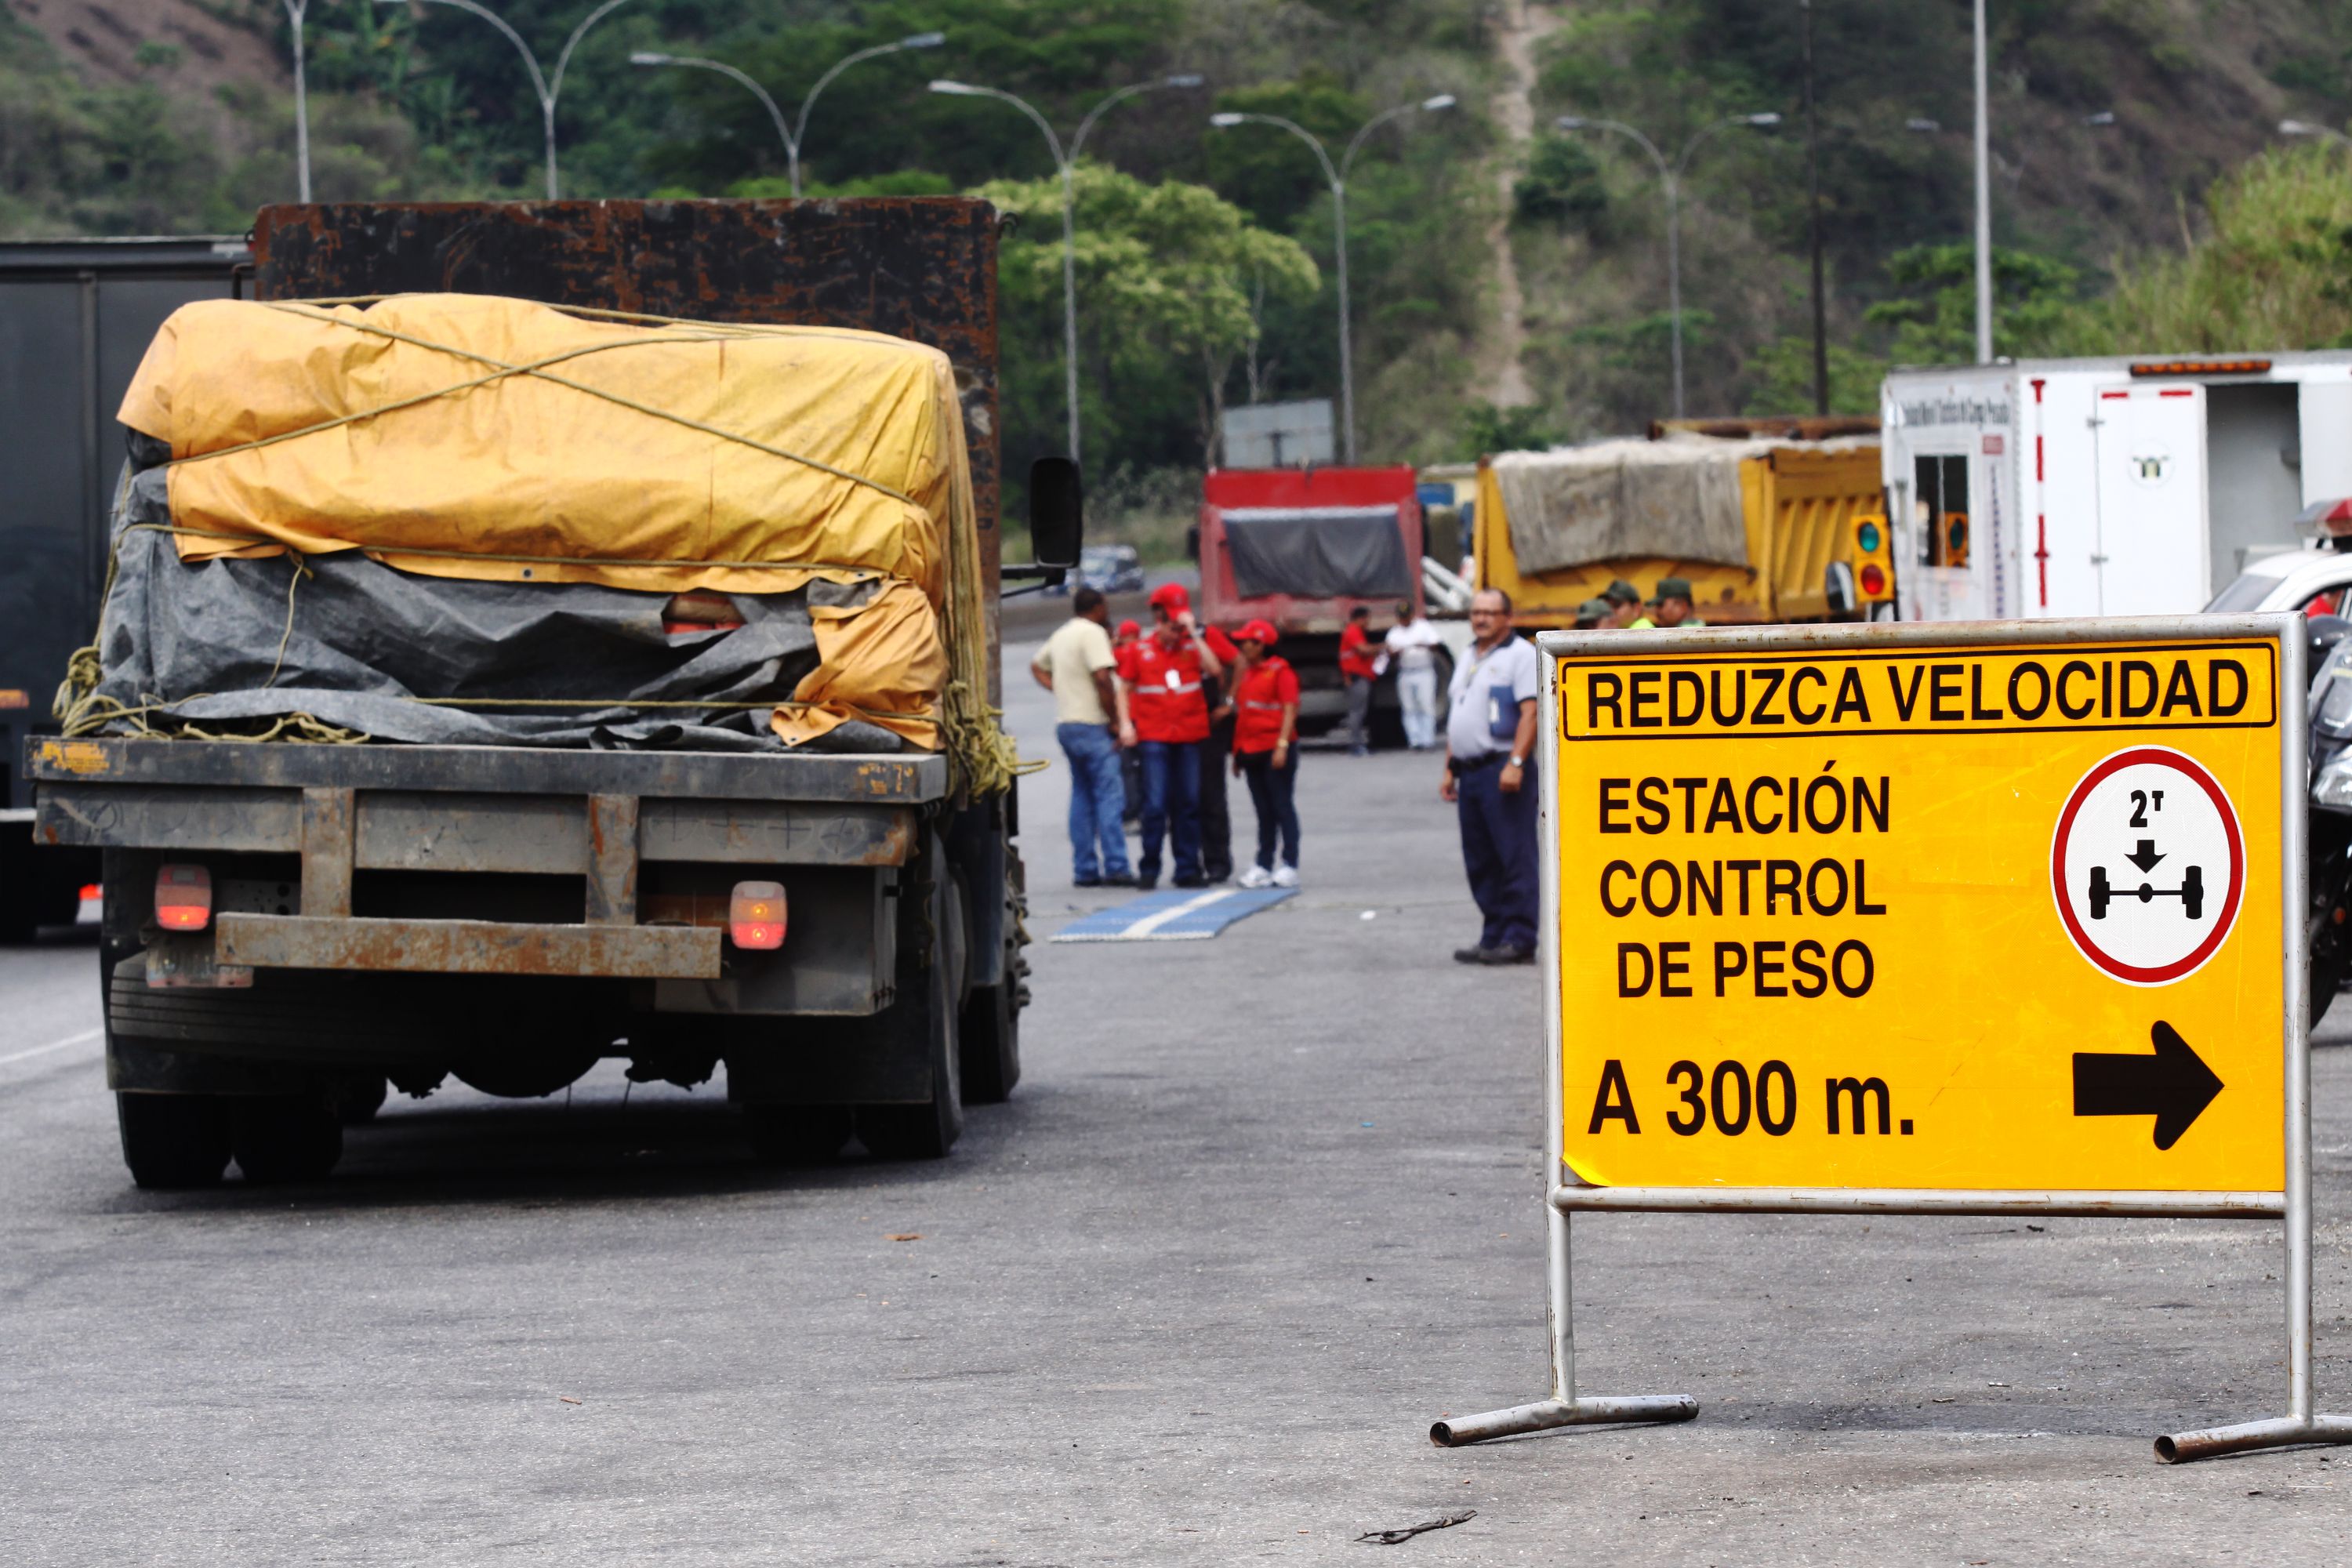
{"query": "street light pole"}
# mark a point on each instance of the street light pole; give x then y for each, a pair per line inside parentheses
(1670, 175)
(295, 11)
(1813, 219)
(1065, 162)
(1984, 197)
(549, 89)
(794, 134)
(1339, 180)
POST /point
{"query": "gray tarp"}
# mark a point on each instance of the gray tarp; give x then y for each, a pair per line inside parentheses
(1318, 551)
(366, 639)
(1677, 499)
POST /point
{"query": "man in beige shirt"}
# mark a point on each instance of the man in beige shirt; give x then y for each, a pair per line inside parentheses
(1076, 665)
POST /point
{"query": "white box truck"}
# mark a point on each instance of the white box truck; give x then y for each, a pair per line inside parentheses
(2106, 487)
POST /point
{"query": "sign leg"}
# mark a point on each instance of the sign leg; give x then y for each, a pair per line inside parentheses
(2302, 1424)
(1564, 1408)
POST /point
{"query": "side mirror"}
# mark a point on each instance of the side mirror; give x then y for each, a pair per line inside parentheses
(1057, 511)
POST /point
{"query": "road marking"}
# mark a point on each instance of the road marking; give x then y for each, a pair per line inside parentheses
(1153, 921)
(86, 1034)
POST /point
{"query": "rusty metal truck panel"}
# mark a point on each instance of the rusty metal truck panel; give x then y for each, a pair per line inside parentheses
(498, 770)
(469, 947)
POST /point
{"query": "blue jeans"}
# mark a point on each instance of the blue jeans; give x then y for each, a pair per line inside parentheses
(1498, 850)
(1273, 792)
(1171, 807)
(1096, 801)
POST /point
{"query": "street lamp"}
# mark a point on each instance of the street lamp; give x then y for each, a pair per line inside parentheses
(1984, 194)
(1671, 176)
(2305, 128)
(547, 87)
(794, 133)
(1064, 161)
(295, 10)
(1339, 178)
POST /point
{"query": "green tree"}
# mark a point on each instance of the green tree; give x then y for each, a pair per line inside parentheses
(1934, 319)
(1781, 378)
(1170, 280)
(2274, 271)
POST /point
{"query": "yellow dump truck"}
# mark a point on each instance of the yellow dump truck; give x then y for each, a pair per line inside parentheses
(1766, 527)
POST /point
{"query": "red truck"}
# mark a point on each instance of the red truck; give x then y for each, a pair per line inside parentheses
(1301, 548)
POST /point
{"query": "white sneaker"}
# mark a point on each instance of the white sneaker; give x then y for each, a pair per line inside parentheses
(1285, 876)
(1255, 876)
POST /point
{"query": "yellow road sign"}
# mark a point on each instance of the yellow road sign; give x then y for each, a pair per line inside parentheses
(1977, 916)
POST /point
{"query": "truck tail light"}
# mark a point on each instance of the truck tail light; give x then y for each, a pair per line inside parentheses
(1873, 581)
(183, 897)
(755, 915)
(699, 610)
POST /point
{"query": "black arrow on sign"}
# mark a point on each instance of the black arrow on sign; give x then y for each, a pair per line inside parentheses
(2174, 1086)
(2145, 856)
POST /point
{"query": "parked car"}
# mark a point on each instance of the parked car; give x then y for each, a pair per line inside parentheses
(2312, 581)
(1113, 568)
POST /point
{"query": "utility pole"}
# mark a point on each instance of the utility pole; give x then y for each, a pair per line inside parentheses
(1813, 220)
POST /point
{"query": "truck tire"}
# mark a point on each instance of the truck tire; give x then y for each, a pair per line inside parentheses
(285, 1138)
(791, 1135)
(927, 1131)
(357, 1102)
(174, 1141)
(991, 1025)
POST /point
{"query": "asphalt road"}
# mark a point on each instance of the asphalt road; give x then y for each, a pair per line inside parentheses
(1263, 1208)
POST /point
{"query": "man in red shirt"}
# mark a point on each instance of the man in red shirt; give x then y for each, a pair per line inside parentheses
(1169, 717)
(1266, 730)
(1357, 671)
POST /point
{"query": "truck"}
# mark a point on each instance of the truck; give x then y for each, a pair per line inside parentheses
(289, 928)
(1769, 521)
(75, 316)
(1302, 548)
(2123, 485)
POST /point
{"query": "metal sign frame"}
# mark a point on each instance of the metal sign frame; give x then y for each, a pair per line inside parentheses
(2291, 1203)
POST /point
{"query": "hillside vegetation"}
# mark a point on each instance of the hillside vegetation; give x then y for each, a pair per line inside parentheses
(1206, 254)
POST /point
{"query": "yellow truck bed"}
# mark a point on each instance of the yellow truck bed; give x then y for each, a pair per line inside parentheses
(1804, 507)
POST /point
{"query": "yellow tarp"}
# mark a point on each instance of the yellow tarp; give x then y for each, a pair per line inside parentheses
(662, 457)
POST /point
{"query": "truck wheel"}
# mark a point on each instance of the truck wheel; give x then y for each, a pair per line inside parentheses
(285, 1138)
(991, 1025)
(797, 1134)
(357, 1102)
(173, 1140)
(927, 1131)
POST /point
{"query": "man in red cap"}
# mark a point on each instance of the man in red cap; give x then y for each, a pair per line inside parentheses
(1169, 715)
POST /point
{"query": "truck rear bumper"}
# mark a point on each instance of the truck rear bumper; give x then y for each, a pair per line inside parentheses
(469, 947)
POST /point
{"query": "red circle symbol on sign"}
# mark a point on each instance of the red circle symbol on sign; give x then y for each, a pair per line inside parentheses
(2148, 865)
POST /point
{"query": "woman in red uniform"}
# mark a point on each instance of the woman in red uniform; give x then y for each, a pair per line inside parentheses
(1265, 728)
